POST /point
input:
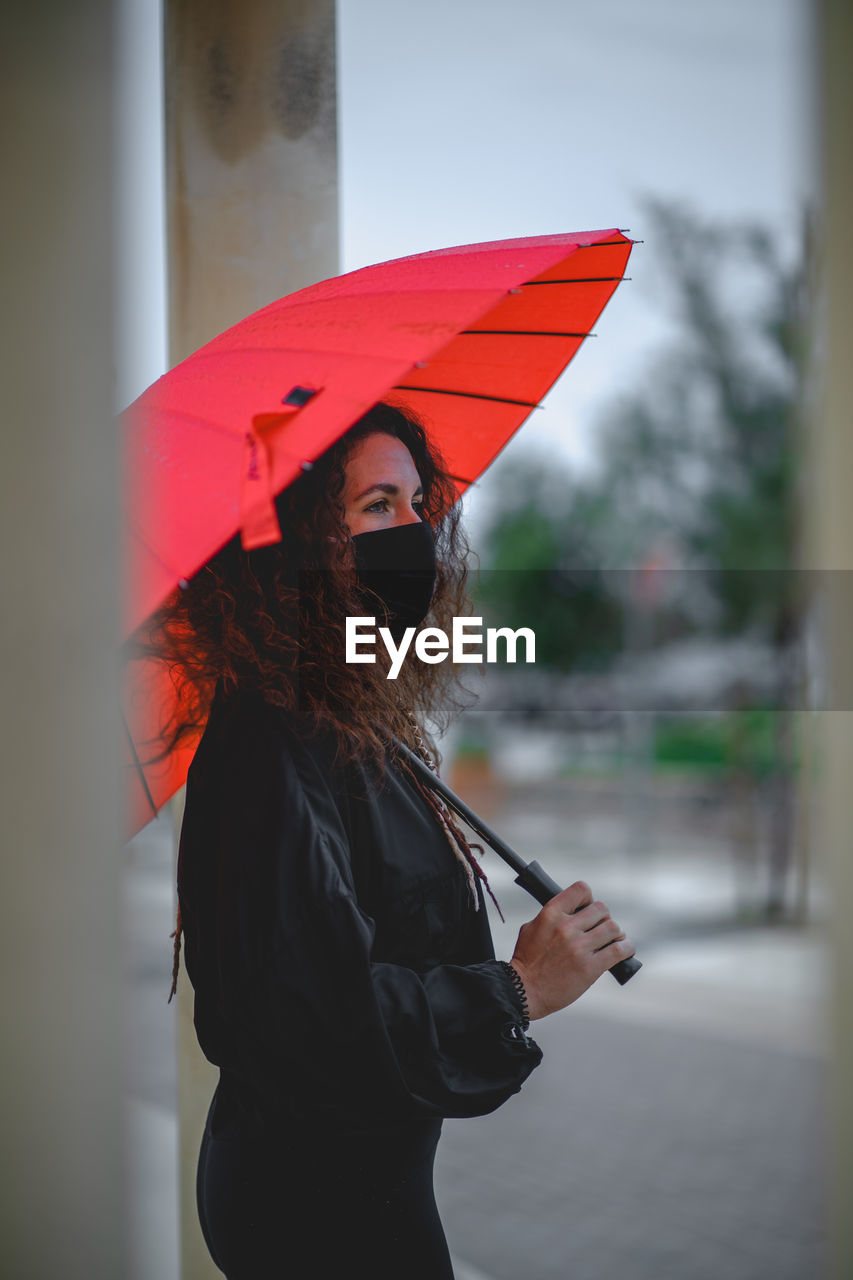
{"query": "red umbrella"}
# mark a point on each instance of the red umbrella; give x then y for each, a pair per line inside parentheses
(470, 337)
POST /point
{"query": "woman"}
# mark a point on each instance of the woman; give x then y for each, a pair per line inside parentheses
(333, 913)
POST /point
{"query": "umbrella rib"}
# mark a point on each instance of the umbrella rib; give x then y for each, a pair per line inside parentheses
(469, 395)
(284, 307)
(138, 764)
(289, 303)
(578, 280)
(287, 348)
(286, 304)
(528, 333)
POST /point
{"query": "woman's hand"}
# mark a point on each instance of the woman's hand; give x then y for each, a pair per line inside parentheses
(561, 951)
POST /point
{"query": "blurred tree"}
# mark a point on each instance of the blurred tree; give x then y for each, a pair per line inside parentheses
(539, 567)
(703, 457)
(715, 440)
(706, 451)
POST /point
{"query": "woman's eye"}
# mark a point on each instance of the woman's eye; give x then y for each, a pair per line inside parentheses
(381, 505)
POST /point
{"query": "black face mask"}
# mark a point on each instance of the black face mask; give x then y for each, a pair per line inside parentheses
(398, 565)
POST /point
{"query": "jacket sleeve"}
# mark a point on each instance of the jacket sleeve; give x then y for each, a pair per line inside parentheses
(280, 954)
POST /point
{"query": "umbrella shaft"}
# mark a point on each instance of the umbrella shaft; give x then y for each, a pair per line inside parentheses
(475, 822)
(529, 875)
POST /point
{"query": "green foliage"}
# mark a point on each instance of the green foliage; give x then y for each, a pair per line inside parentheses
(469, 750)
(713, 434)
(737, 741)
(540, 570)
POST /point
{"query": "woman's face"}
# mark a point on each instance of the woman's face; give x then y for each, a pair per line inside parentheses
(382, 487)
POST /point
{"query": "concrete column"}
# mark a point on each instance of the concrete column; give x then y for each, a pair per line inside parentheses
(833, 535)
(251, 165)
(251, 155)
(60, 824)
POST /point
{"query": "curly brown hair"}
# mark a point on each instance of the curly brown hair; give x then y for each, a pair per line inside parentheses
(272, 619)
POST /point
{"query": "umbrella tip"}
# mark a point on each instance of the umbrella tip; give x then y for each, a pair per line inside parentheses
(307, 466)
(183, 583)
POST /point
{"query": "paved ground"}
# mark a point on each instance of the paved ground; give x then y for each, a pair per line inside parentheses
(647, 1147)
(673, 1129)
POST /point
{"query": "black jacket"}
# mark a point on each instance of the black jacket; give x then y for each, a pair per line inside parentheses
(342, 976)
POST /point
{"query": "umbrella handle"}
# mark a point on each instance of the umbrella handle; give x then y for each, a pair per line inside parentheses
(530, 875)
(541, 887)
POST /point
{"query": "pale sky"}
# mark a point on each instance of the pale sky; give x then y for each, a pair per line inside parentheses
(467, 120)
(471, 120)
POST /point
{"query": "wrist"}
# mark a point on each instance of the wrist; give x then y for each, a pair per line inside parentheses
(535, 1006)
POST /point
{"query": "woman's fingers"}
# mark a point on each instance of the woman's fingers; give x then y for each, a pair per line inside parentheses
(573, 899)
(590, 916)
(621, 949)
(605, 933)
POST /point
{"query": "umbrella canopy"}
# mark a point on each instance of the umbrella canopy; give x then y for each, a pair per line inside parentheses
(469, 337)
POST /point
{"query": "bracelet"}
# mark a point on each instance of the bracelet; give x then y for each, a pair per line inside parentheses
(515, 978)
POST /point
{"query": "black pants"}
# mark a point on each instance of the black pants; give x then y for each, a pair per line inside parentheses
(322, 1209)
